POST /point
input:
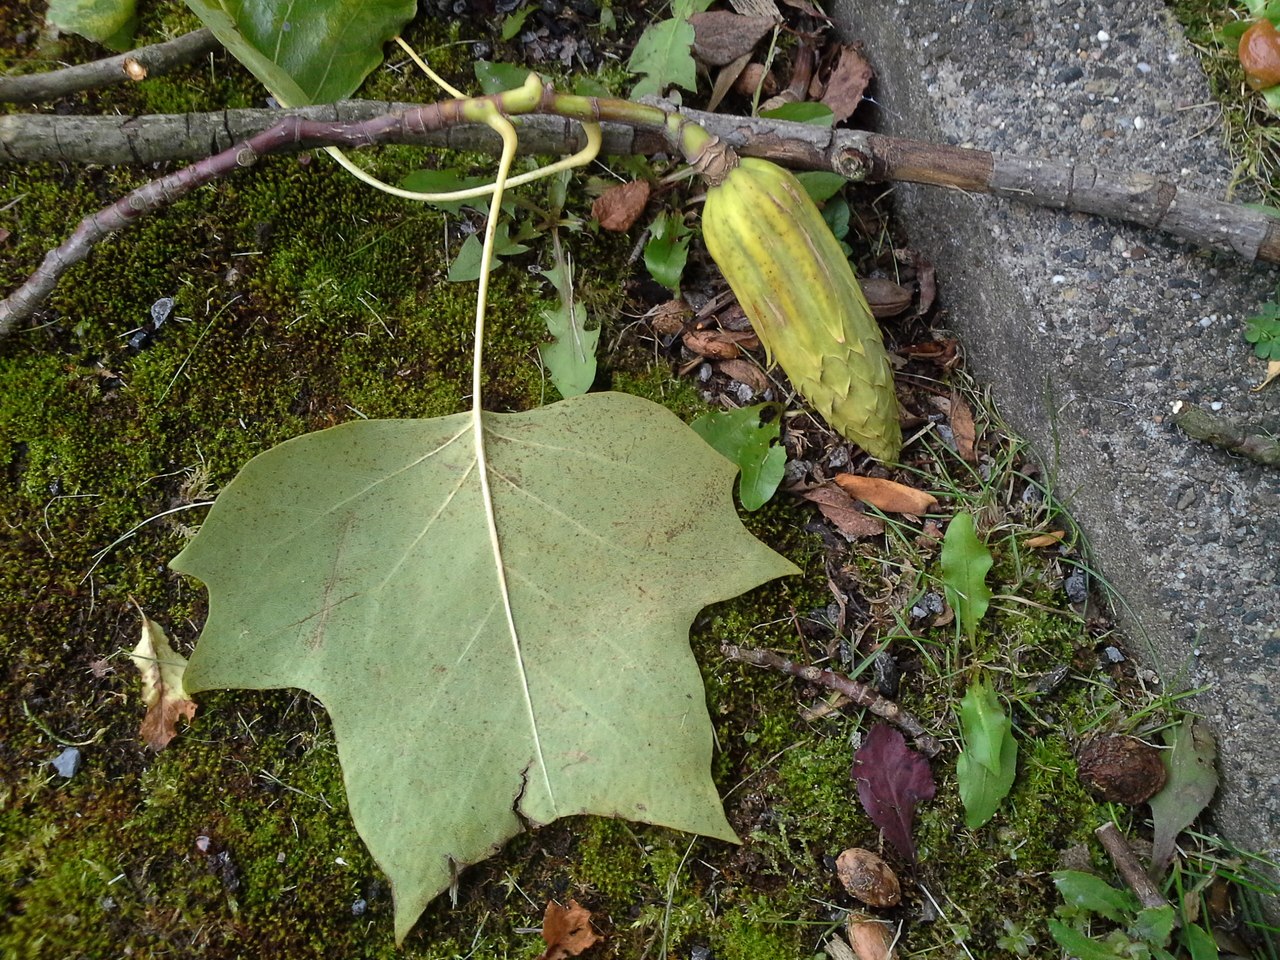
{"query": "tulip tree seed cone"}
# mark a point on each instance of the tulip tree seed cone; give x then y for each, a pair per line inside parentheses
(796, 286)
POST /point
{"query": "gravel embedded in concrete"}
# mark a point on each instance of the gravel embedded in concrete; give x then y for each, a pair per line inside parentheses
(1089, 330)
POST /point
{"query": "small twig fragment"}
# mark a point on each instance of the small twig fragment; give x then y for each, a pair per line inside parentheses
(1200, 424)
(1127, 865)
(858, 693)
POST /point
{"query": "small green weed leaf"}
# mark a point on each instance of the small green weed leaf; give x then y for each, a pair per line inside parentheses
(1078, 945)
(836, 213)
(667, 250)
(1271, 97)
(514, 22)
(821, 185)
(1092, 893)
(1190, 786)
(480, 680)
(445, 181)
(986, 768)
(1263, 331)
(1198, 942)
(466, 266)
(570, 358)
(108, 22)
(741, 436)
(965, 563)
(315, 52)
(808, 111)
(664, 54)
(1154, 925)
(499, 77)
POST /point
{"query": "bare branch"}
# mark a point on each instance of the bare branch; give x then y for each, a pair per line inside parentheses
(155, 59)
(1137, 197)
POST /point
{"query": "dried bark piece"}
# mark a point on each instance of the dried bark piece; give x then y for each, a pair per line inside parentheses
(1120, 769)
(618, 208)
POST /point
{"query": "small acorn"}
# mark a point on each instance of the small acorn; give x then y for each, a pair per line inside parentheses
(868, 878)
(1259, 53)
(1120, 769)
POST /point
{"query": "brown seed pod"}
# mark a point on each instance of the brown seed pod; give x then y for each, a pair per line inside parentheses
(868, 878)
(1120, 769)
(1260, 54)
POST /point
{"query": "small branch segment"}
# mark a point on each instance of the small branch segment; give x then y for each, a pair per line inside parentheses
(856, 692)
(1127, 865)
(152, 60)
(1200, 424)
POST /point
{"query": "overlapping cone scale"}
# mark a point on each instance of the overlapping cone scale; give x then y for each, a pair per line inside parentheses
(796, 286)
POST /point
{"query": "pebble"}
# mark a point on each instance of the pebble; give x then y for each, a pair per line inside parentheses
(67, 763)
(359, 907)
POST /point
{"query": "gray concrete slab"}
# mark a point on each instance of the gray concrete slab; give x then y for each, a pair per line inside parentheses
(1089, 330)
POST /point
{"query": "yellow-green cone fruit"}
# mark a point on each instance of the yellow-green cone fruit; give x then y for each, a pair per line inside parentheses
(796, 286)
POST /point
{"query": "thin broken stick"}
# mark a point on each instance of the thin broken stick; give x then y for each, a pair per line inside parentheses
(1127, 865)
(856, 692)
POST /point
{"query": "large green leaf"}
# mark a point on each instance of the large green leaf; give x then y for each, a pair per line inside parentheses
(986, 768)
(1191, 784)
(108, 22)
(313, 52)
(479, 681)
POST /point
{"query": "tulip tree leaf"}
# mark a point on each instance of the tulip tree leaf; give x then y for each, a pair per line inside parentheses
(986, 768)
(315, 52)
(479, 682)
(965, 562)
(1190, 785)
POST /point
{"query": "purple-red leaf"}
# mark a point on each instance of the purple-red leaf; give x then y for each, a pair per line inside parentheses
(892, 778)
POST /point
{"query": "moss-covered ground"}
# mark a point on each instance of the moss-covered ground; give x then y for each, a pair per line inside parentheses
(305, 300)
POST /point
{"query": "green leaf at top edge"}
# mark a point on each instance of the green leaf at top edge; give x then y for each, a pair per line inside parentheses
(316, 52)
(965, 564)
(109, 22)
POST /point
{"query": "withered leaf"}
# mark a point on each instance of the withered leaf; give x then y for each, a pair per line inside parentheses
(721, 37)
(847, 83)
(891, 779)
(886, 495)
(161, 668)
(963, 429)
(1050, 539)
(566, 930)
(619, 207)
(727, 79)
(670, 317)
(1273, 371)
(744, 371)
(843, 511)
(719, 344)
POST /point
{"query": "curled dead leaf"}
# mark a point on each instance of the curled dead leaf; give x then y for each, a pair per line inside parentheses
(1051, 539)
(1273, 371)
(847, 83)
(719, 344)
(619, 207)
(744, 371)
(963, 429)
(566, 930)
(162, 668)
(843, 511)
(886, 495)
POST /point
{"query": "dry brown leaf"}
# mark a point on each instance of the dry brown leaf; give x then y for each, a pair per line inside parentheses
(727, 79)
(566, 930)
(1273, 371)
(963, 429)
(161, 668)
(757, 8)
(618, 208)
(843, 511)
(847, 83)
(1051, 539)
(942, 352)
(719, 344)
(721, 37)
(886, 495)
(744, 371)
(756, 77)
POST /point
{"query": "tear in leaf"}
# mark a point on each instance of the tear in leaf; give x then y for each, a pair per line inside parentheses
(470, 697)
(162, 670)
(892, 778)
(986, 768)
(965, 562)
